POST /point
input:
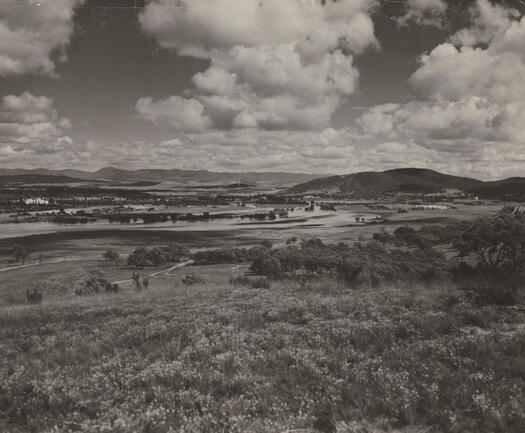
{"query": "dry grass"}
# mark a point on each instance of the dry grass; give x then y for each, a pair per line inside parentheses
(216, 358)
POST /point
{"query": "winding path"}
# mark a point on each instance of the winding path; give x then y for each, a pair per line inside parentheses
(165, 271)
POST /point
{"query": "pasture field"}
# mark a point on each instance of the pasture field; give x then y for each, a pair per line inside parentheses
(299, 356)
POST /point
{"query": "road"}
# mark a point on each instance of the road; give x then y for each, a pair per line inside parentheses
(165, 271)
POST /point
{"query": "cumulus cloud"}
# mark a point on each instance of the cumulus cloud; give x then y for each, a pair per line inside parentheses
(30, 123)
(177, 112)
(489, 20)
(31, 35)
(424, 13)
(471, 96)
(275, 66)
(200, 28)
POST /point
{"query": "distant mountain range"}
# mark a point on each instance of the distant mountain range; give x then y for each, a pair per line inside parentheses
(359, 185)
(28, 179)
(417, 180)
(157, 175)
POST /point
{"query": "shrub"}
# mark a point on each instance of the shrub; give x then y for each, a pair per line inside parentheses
(190, 280)
(177, 252)
(383, 236)
(95, 283)
(135, 276)
(260, 283)
(493, 287)
(267, 244)
(139, 258)
(34, 295)
(267, 265)
(240, 280)
(349, 270)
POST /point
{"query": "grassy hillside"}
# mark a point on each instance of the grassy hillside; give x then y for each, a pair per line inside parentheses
(372, 184)
(212, 357)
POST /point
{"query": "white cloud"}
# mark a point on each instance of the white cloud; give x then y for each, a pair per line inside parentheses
(424, 13)
(177, 112)
(203, 27)
(30, 35)
(275, 65)
(30, 123)
(472, 98)
(489, 21)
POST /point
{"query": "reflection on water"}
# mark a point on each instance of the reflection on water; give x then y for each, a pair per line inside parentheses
(294, 218)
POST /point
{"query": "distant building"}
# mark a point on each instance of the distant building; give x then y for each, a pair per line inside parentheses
(36, 200)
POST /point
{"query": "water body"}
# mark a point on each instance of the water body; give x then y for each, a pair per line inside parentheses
(297, 218)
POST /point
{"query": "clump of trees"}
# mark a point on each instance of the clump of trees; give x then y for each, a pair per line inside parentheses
(493, 253)
(490, 261)
(426, 237)
(497, 243)
(95, 282)
(227, 255)
(142, 257)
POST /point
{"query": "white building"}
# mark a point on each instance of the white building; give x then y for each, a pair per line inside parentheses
(36, 200)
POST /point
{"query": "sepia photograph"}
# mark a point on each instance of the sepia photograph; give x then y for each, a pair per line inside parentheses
(262, 216)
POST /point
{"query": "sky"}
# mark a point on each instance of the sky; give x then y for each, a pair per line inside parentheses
(316, 86)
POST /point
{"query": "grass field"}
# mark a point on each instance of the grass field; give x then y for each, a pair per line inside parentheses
(216, 358)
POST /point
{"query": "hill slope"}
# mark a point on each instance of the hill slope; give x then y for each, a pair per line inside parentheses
(174, 175)
(28, 179)
(371, 184)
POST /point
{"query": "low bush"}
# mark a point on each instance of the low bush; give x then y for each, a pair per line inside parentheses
(491, 287)
(240, 280)
(190, 280)
(34, 295)
(260, 283)
(95, 282)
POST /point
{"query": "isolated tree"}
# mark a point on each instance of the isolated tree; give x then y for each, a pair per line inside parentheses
(267, 265)
(135, 276)
(498, 242)
(267, 244)
(20, 253)
(383, 236)
(34, 295)
(291, 240)
(405, 234)
(139, 258)
(111, 255)
(95, 282)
